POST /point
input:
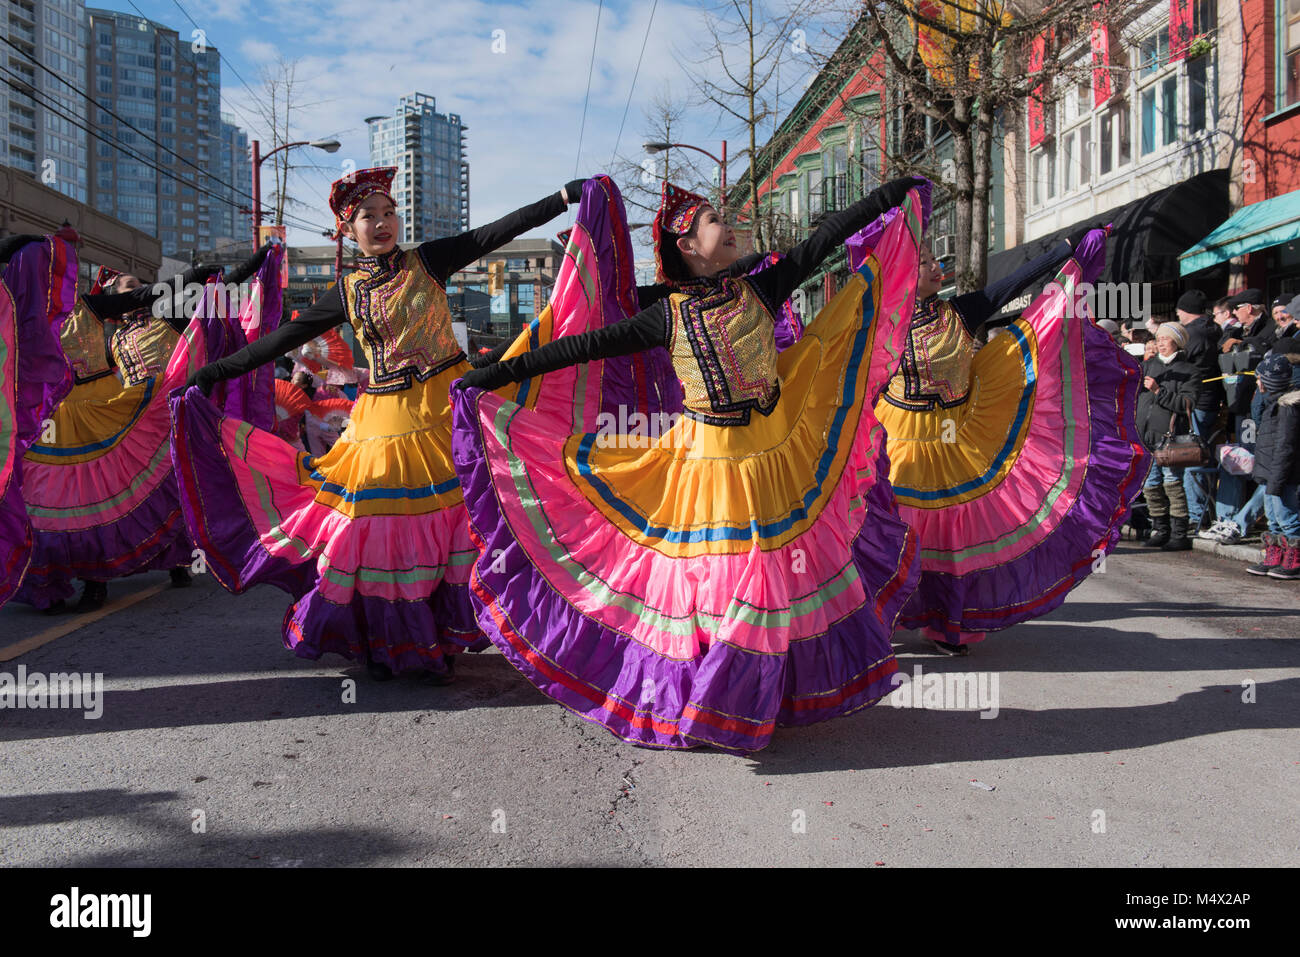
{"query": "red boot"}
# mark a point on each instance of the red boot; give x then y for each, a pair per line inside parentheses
(1289, 570)
(1272, 556)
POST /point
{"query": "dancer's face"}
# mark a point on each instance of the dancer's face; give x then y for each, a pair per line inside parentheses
(375, 226)
(126, 282)
(711, 247)
(929, 278)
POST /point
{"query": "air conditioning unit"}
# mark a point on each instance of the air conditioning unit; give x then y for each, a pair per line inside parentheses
(945, 247)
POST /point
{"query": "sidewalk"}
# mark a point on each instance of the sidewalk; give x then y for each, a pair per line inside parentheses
(1249, 549)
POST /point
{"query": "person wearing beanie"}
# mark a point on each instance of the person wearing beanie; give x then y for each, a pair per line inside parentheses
(1112, 328)
(1277, 465)
(1203, 352)
(1169, 384)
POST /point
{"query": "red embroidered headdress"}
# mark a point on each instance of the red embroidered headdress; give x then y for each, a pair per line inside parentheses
(352, 190)
(102, 278)
(677, 211)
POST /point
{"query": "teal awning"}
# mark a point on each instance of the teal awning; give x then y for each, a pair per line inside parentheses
(1252, 227)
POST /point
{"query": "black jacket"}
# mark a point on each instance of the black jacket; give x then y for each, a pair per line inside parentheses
(1203, 352)
(1277, 442)
(1178, 383)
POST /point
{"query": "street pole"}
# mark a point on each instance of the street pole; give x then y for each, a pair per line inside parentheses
(257, 193)
(723, 166)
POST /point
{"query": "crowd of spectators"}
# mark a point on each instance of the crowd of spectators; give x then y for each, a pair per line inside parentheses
(1230, 374)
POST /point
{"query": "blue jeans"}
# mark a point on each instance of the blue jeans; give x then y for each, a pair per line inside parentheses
(1283, 512)
(1240, 500)
(1163, 475)
(1199, 486)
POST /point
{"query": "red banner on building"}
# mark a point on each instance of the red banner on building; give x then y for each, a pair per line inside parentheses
(1037, 121)
(1180, 28)
(1101, 86)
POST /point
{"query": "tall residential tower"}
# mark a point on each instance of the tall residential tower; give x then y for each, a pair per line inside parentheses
(428, 149)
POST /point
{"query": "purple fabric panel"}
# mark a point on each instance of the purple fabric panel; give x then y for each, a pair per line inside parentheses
(40, 379)
(860, 244)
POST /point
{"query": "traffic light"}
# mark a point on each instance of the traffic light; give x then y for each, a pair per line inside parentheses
(497, 277)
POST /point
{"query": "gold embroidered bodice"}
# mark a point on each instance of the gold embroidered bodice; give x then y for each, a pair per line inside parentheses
(143, 346)
(724, 351)
(400, 316)
(936, 366)
(84, 345)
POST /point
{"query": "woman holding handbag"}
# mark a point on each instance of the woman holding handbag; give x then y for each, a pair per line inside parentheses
(1170, 383)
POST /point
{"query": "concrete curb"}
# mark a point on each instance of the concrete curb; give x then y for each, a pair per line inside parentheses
(1249, 550)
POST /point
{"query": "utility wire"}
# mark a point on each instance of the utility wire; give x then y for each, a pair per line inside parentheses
(577, 161)
(26, 89)
(635, 74)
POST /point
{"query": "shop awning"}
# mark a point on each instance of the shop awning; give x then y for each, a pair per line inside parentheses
(1257, 226)
(1149, 233)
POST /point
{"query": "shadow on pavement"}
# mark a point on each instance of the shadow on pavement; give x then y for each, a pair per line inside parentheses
(483, 681)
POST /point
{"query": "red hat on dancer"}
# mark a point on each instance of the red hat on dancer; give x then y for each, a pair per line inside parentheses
(102, 278)
(354, 189)
(677, 211)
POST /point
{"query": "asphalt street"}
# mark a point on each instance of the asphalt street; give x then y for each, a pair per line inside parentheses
(1150, 721)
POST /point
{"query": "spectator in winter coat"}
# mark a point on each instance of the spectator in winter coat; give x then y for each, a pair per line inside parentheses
(1277, 466)
(1202, 352)
(1258, 331)
(1170, 384)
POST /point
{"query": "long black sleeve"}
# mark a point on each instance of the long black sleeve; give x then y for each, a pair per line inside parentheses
(777, 282)
(647, 329)
(646, 296)
(976, 307)
(249, 266)
(316, 320)
(107, 306)
(442, 257)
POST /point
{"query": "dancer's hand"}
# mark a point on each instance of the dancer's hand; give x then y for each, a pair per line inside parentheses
(572, 191)
(205, 380)
(895, 191)
(1077, 235)
(474, 377)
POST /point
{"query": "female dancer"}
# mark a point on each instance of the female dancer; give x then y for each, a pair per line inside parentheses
(742, 569)
(1017, 463)
(99, 487)
(370, 539)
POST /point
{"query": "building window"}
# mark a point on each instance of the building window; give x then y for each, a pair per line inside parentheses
(1288, 87)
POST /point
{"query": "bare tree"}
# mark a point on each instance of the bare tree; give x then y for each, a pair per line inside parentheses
(960, 63)
(640, 175)
(278, 84)
(747, 41)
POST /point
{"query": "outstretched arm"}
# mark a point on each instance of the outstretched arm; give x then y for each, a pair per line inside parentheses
(777, 282)
(976, 307)
(249, 266)
(442, 257)
(647, 329)
(315, 320)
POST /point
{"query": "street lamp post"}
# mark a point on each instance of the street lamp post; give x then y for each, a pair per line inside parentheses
(722, 165)
(329, 146)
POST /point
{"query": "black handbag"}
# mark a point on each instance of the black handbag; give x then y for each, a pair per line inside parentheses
(1183, 451)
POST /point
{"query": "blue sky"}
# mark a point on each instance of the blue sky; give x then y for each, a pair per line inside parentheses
(523, 105)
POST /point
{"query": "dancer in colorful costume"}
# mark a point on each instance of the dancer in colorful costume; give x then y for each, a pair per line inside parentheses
(369, 539)
(99, 487)
(38, 286)
(1016, 462)
(742, 569)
